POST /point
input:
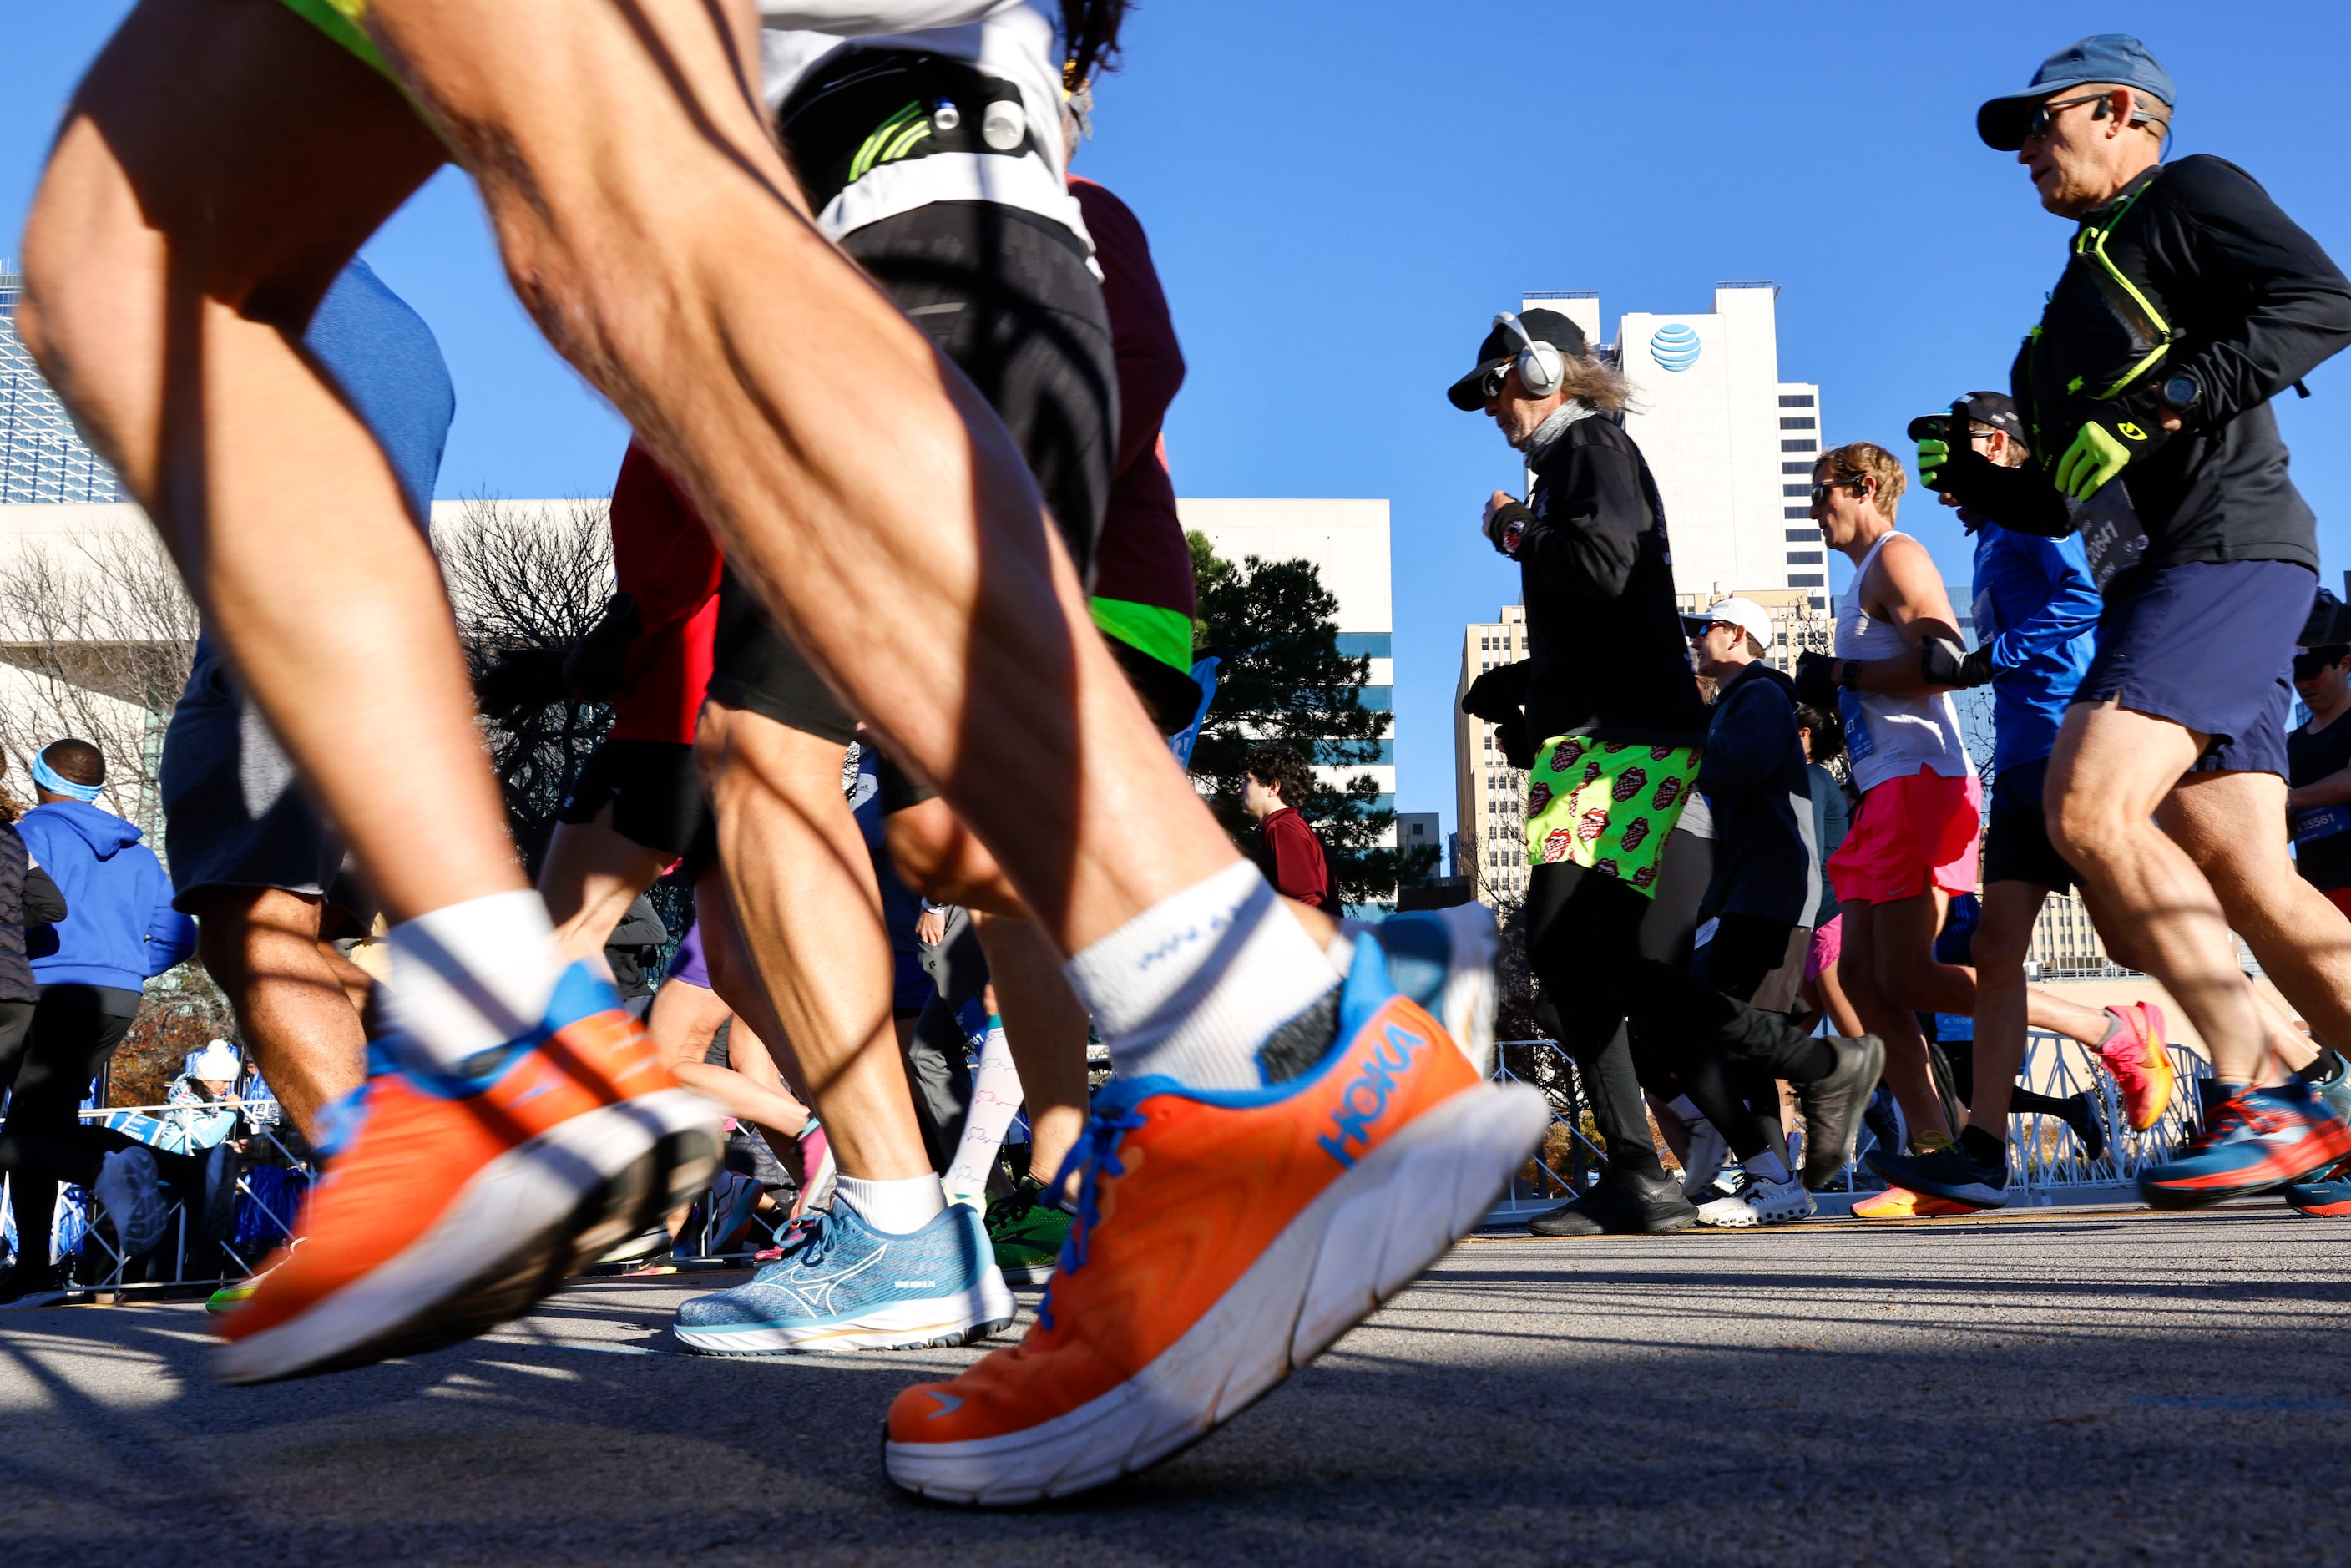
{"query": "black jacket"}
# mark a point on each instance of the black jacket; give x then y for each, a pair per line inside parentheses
(28, 896)
(1766, 861)
(2255, 305)
(1607, 656)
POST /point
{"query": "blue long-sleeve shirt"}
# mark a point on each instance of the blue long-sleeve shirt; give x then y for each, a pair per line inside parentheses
(2037, 611)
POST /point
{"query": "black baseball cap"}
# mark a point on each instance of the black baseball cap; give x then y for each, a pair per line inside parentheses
(2115, 58)
(1502, 345)
(1995, 408)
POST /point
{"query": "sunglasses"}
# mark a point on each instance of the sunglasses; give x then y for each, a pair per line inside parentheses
(1495, 378)
(2046, 115)
(1820, 492)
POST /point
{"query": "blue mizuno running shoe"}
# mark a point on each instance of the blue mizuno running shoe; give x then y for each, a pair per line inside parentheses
(846, 1286)
(2256, 1140)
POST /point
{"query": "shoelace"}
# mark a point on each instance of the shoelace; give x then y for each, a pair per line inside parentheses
(2234, 1115)
(809, 1239)
(1096, 1153)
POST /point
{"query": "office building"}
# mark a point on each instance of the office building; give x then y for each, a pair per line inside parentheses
(1731, 443)
(1489, 795)
(1348, 543)
(42, 456)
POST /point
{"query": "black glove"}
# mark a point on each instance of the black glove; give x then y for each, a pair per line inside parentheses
(2025, 499)
(598, 662)
(1498, 696)
(1816, 682)
(1942, 662)
(523, 679)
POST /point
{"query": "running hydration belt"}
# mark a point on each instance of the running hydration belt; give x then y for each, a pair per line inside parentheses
(865, 108)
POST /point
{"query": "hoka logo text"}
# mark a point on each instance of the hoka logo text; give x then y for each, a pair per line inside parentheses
(1366, 1098)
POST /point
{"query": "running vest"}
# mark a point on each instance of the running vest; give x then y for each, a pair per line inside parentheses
(883, 123)
(1890, 736)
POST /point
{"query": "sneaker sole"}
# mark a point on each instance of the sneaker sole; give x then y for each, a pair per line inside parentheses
(1370, 1234)
(938, 1323)
(527, 1221)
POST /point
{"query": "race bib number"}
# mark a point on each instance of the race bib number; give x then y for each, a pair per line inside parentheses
(2318, 822)
(1859, 744)
(2113, 538)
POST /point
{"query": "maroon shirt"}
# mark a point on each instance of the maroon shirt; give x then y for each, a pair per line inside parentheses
(1141, 556)
(1290, 856)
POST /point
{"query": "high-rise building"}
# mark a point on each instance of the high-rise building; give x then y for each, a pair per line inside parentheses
(1730, 444)
(1348, 543)
(42, 456)
(1489, 795)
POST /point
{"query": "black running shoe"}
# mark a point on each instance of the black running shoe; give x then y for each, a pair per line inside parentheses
(1621, 1205)
(1948, 1173)
(1834, 1105)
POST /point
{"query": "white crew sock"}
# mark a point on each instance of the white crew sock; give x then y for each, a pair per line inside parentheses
(894, 1208)
(470, 976)
(1765, 1167)
(1194, 985)
(995, 1100)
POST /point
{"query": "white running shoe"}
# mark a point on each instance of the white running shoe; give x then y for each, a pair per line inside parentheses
(126, 1189)
(1725, 1206)
(1779, 1202)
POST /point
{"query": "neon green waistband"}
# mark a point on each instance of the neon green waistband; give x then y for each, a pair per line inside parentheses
(339, 20)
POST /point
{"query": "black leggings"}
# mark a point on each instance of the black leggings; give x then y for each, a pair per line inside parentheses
(1616, 966)
(73, 1029)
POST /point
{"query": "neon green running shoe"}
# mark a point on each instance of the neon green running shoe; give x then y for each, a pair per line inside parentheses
(228, 1297)
(1028, 1232)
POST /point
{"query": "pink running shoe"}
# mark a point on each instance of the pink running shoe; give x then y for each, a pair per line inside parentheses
(2141, 1067)
(817, 1170)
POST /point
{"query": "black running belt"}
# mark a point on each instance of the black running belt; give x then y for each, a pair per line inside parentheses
(865, 108)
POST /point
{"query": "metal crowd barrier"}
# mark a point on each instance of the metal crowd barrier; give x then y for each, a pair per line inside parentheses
(2047, 1159)
(262, 1217)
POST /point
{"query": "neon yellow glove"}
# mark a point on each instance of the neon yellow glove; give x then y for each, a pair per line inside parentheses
(2099, 453)
(1933, 453)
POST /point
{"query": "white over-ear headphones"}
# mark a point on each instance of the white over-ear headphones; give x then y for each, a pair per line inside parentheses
(1540, 369)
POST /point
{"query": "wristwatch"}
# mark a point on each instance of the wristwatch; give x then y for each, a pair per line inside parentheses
(2180, 392)
(1849, 675)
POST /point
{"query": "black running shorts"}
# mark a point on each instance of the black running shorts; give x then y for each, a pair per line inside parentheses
(655, 794)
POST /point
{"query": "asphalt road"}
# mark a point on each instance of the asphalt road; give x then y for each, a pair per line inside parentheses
(2047, 1386)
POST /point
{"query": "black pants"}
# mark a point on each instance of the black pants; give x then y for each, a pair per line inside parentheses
(1745, 950)
(937, 1053)
(1616, 968)
(50, 1065)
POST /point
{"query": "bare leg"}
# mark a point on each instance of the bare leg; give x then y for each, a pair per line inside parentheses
(261, 945)
(1910, 974)
(1906, 1072)
(2233, 825)
(590, 876)
(188, 225)
(2112, 769)
(2002, 939)
(810, 913)
(1045, 1025)
(1825, 993)
(684, 1020)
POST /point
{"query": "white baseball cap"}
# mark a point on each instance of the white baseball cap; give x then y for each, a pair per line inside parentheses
(1744, 613)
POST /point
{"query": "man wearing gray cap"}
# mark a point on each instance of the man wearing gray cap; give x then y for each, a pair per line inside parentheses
(2188, 300)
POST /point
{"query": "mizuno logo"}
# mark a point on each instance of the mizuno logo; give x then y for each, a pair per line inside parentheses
(1365, 1100)
(916, 1284)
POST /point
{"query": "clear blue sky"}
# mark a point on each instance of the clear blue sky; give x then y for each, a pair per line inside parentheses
(1338, 197)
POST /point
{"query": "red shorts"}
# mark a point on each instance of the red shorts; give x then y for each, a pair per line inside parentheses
(2341, 898)
(1912, 833)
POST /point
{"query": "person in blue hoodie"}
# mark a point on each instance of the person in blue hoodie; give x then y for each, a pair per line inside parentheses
(2036, 620)
(90, 970)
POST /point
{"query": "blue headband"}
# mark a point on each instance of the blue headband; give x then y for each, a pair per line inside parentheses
(57, 783)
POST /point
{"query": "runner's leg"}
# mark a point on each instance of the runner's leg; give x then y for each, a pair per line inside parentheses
(291, 993)
(590, 876)
(1045, 1025)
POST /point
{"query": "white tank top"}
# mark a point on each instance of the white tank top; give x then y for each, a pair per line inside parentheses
(1890, 736)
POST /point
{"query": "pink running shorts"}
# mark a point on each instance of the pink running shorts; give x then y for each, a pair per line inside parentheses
(1912, 833)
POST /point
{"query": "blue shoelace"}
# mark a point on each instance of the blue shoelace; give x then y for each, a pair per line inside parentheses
(1096, 1154)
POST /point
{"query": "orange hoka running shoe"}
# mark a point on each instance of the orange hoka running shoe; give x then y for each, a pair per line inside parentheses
(1222, 1240)
(2140, 1065)
(1901, 1202)
(452, 1204)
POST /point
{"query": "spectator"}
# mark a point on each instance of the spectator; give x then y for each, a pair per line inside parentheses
(120, 929)
(1288, 851)
(2320, 756)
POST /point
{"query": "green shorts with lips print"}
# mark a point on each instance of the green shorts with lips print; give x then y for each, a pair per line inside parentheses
(1607, 805)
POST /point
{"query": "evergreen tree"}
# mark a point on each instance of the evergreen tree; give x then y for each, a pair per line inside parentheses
(1283, 679)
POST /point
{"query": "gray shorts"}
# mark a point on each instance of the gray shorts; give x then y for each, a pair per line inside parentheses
(235, 812)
